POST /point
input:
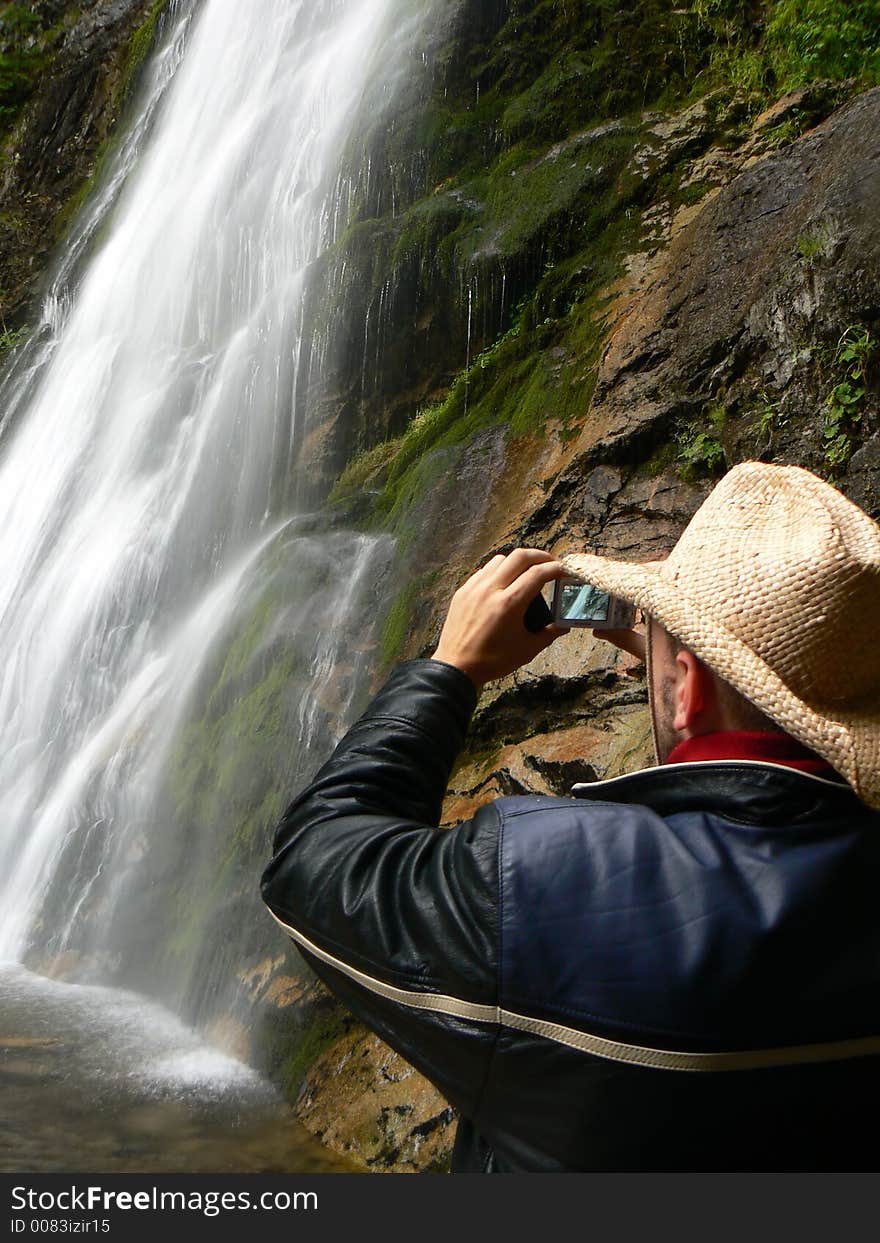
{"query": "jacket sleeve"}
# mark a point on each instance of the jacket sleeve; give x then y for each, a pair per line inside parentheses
(398, 917)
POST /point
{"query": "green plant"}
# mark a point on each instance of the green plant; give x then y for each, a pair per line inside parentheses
(811, 245)
(854, 350)
(796, 42)
(10, 337)
(716, 413)
(845, 402)
(700, 453)
(786, 131)
(769, 419)
(812, 39)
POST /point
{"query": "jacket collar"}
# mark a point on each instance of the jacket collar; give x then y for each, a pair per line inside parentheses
(751, 744)
(753, 791)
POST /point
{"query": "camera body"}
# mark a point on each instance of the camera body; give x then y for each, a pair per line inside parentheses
(576, 603)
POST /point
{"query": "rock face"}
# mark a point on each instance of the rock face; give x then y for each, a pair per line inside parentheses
(82, 62)
(747, 306)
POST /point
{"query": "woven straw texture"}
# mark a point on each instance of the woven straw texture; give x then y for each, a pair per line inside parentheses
(775, 584)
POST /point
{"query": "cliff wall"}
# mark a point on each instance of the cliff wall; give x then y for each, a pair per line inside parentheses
(67, 72)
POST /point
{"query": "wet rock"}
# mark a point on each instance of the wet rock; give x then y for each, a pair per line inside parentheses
(28, 1042)
(366, 1103)
(19, 1070)
(673, 136)
(53, 149)
(599, 487)
(737, 310)
(864, 476)
(66, 966)
(804, 104)
(231, 1035)
(561, 775)
(648, 515)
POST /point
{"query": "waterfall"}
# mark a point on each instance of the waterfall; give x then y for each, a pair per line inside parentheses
(151, 548)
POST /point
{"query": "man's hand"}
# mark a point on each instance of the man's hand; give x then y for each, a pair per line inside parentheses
(484, 634)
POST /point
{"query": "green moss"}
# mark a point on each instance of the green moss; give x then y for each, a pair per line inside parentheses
(29, 40)
(310, 1042)
(220, 762)
(362, 478)
(686, 196)
(425, 431)
(225, 761)
(552, 200)
(561, 195)
(557, 67)
(140, 46)
(663, 456)
(716, 413)
(397, 621)
(533, 179)
(553, 68)
(77, 200)
(428, 225)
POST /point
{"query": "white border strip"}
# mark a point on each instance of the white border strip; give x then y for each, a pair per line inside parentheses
(421, 1001)
(701, 764)
(611, 1050)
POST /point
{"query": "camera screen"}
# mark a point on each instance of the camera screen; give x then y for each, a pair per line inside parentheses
(582, 600)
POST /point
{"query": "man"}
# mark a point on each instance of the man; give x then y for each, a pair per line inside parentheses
(676, 969)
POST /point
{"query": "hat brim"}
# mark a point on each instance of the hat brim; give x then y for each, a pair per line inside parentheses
(848, 741)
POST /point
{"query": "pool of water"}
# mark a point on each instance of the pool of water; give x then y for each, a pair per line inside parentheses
(98, 1080)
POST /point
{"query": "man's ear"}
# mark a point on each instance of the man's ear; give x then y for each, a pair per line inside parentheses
(694, 697)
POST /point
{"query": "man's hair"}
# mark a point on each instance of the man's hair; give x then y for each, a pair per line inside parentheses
(741, 712)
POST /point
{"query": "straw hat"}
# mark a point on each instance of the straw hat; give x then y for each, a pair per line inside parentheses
(775, 584)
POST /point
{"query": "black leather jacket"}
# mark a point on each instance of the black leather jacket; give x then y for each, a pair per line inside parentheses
(681, 971)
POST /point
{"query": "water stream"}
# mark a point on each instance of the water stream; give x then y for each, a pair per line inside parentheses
(101, 1080)
(147, 519)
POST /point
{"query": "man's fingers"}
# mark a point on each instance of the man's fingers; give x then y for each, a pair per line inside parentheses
(516, 562)
(491, 563)
(531, 580)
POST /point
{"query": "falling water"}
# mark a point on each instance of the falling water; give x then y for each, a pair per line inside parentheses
(145, 500)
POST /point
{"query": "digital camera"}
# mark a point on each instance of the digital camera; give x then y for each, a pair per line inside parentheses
(576, 603)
